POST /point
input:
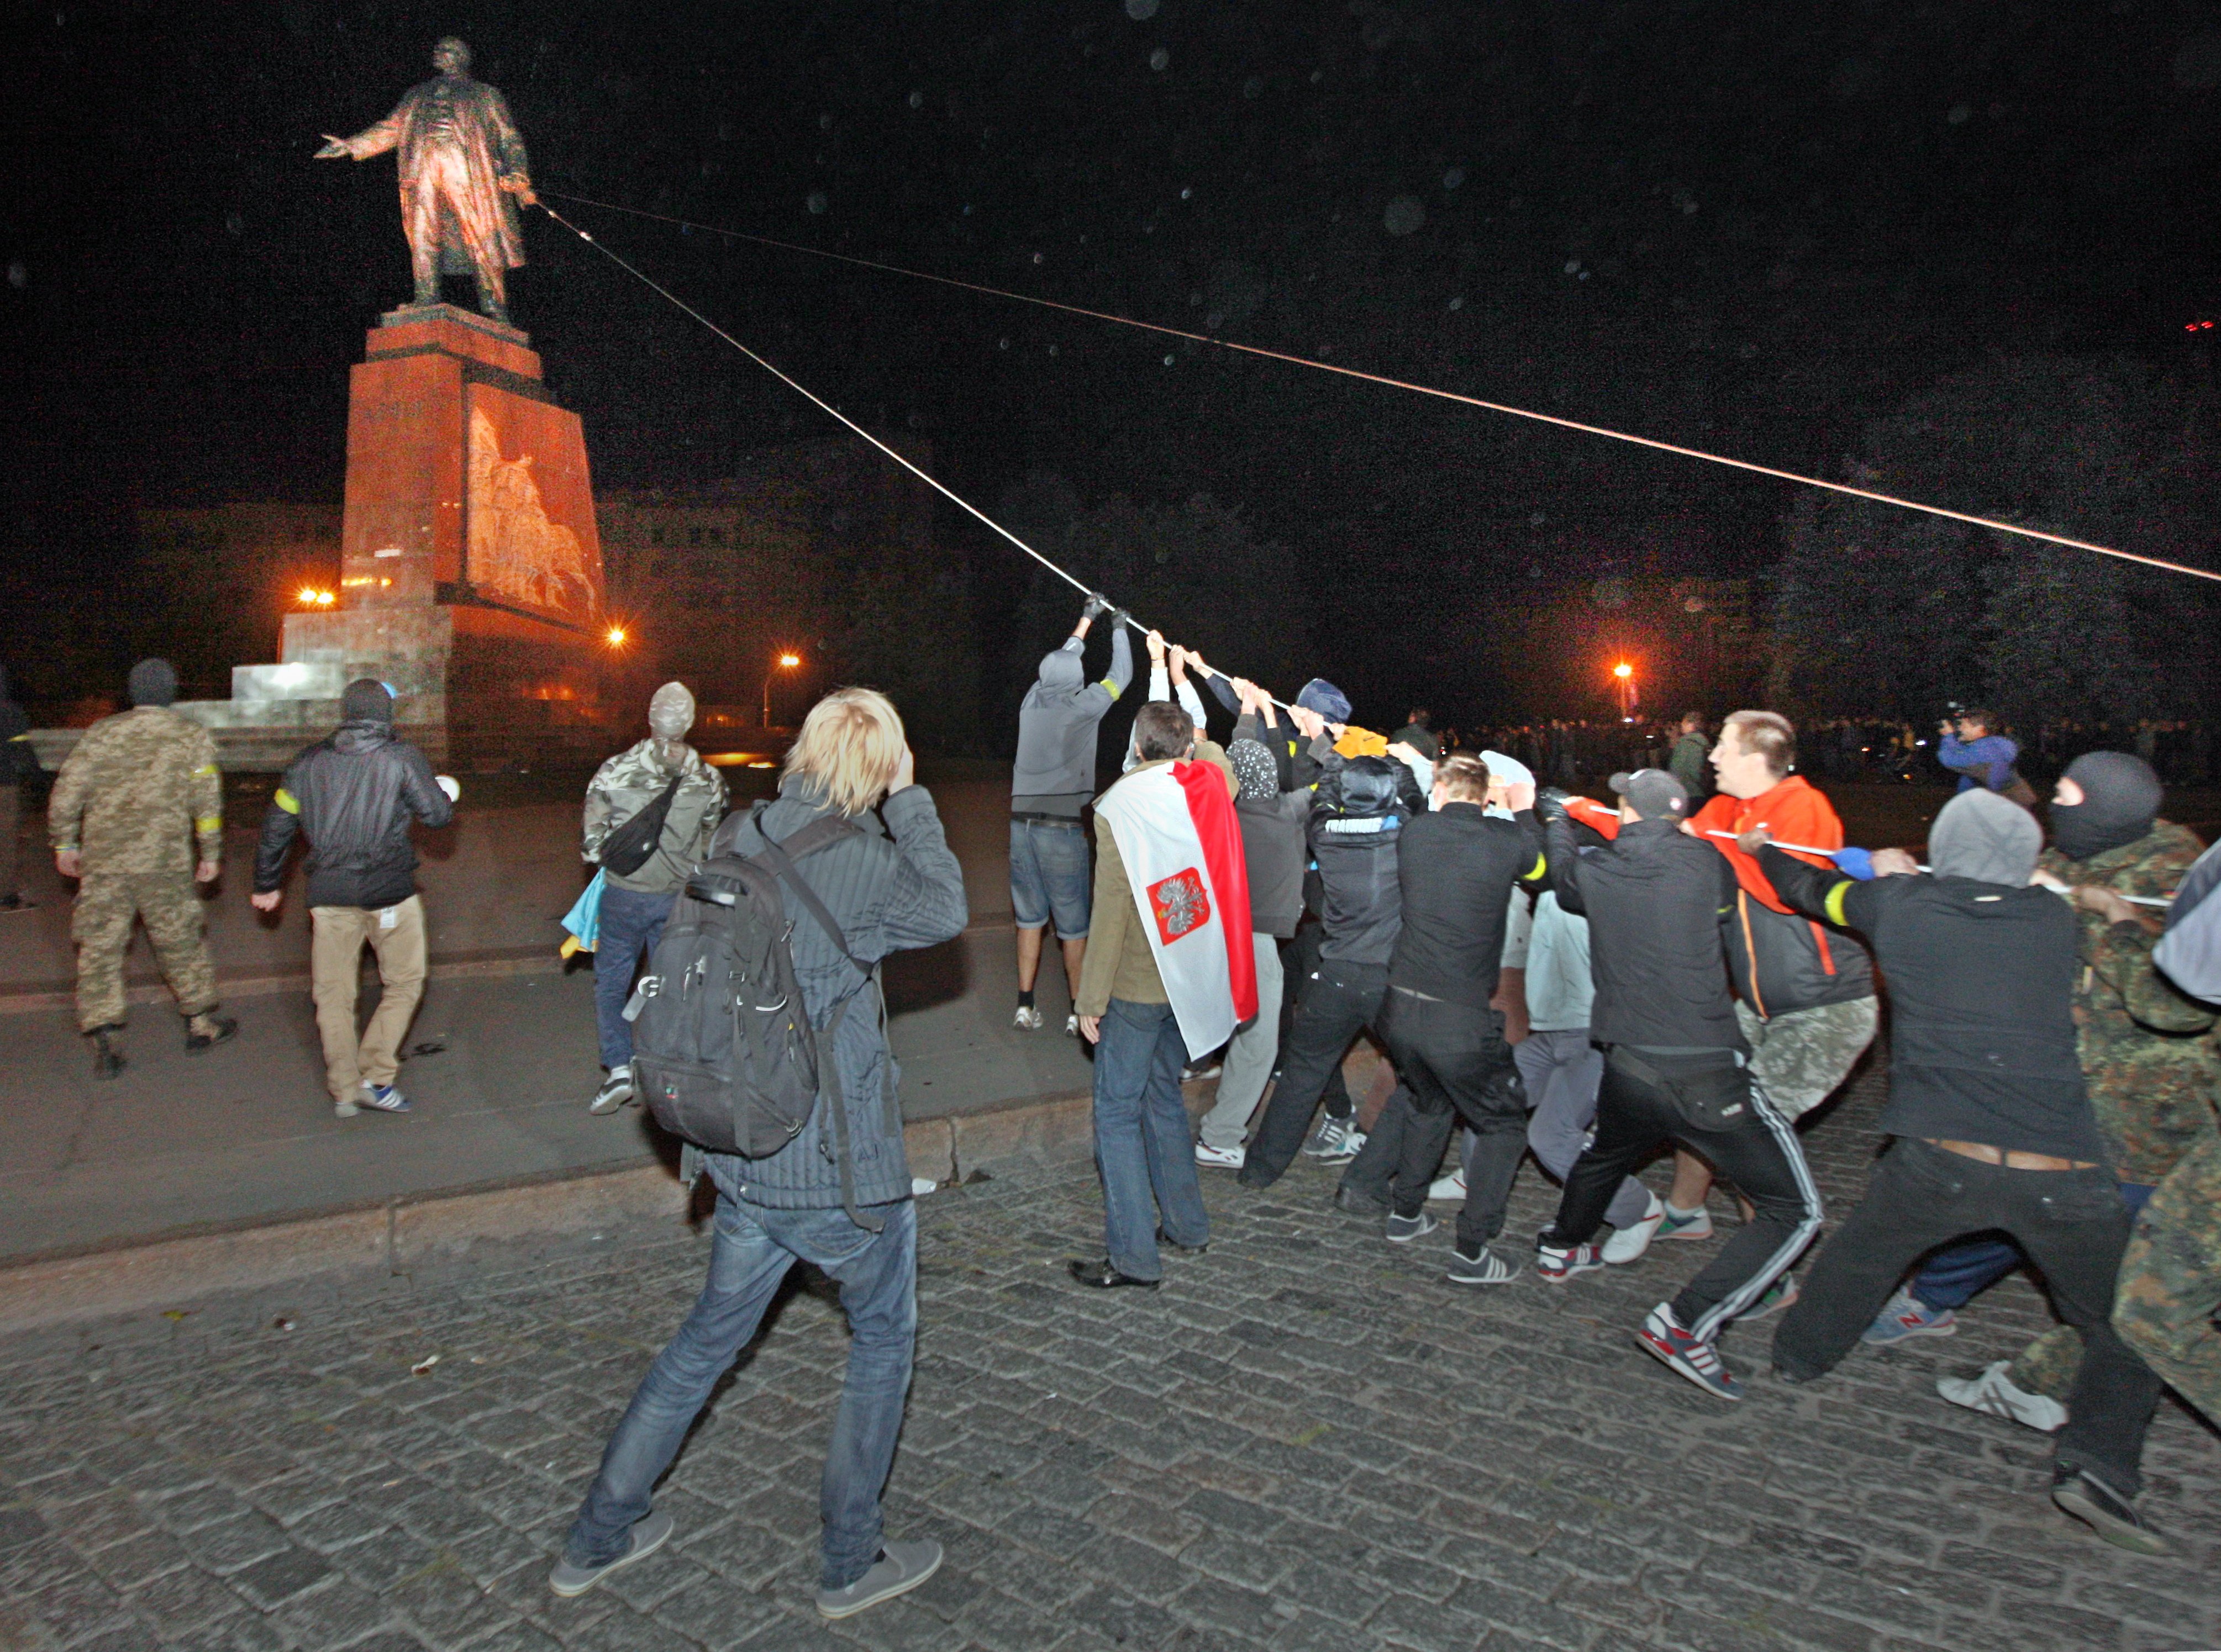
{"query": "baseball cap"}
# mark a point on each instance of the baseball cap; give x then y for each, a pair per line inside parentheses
(1656, 794)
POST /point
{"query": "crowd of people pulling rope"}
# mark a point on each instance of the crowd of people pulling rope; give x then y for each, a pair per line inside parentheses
(1595, 986)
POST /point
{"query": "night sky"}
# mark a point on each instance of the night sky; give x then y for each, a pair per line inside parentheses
(1750, 227)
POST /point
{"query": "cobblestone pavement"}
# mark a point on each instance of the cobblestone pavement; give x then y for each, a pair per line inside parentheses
(1306, 1440)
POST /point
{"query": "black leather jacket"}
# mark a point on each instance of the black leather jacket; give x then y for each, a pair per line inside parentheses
(354, 796)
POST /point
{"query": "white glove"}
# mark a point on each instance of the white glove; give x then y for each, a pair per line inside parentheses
(447, 783)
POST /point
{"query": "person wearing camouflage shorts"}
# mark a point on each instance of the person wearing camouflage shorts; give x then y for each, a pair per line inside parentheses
(2170, 1288)
(129, 804)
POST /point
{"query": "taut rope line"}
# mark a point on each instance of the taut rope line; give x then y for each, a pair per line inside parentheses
(1844, 488)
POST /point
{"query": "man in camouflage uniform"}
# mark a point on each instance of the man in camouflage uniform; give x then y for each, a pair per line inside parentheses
(2146, 1057)
(137, 785)
(2170, 1288)
(634, 904)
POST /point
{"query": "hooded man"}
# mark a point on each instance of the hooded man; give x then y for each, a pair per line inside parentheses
(18, 763)
(2151, 1076)
(1051, 783)
(131, 801)
(1992, 1124)
(354, 796)
(636, 903)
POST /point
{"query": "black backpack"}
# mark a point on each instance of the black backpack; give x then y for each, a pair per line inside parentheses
(723, 1053)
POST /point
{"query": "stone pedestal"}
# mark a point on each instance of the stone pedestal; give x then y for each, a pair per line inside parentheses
(471, 568)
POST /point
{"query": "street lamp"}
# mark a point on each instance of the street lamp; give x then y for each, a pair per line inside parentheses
(615, 636)
(1624, 674)
(785, 663)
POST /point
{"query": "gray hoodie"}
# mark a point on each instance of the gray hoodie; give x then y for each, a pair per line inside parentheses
(1055, 771)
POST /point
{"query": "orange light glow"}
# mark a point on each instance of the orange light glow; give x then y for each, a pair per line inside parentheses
(789, 660)
(1622, 670)
(616, 636)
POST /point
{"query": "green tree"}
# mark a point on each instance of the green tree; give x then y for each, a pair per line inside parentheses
(1880, 610)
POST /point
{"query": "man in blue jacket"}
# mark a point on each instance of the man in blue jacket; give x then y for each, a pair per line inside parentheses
(1978, 756)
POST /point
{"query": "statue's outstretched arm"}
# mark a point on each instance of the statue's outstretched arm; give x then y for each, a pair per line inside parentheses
(370, 140)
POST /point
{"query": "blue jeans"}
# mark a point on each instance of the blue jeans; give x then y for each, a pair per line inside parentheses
(631, 923)
(1050, 877)
(753, 1248)
(1142, 1142)
(1958, 1274)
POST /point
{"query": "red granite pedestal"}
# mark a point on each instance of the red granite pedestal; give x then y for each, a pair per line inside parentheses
(470, 570)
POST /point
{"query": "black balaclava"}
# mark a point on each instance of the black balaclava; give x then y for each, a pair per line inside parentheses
(153, 683)
(2120, 799)
(366, 701)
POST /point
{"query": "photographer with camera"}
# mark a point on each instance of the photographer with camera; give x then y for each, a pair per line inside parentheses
(1973, 749)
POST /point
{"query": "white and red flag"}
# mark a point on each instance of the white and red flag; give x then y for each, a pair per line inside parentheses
(1176, 832)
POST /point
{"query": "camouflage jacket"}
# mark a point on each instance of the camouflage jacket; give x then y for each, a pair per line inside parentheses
(628, 783)
(2146, 1050)
(137, 785)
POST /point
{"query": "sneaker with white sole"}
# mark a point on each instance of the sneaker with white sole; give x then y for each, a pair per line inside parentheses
(1486, 1269)
(1667, 1340)
(1556, 1264)
(1904, 1317)
(1996, 1393)
(649, 1533)
(1226, 1158)
(1779, 1294)
(1027, 1019)
(921, 1186)
(1195, 1069)
(2113, 1517)
(1072, 1025)
(1447, 1190)
(382, 1098)
(900, 1568)
(1628, 1244)
(616, 1091)
(1335, 1139)
(1698, 1224)
(1402, 1229)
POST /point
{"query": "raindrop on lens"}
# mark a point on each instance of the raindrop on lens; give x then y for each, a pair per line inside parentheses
(1452, 177)
(1404, 215)
(1141, 10)
(1160, 58)
(818, 202)
(19, 277)
(1168, 361)
(917, 99)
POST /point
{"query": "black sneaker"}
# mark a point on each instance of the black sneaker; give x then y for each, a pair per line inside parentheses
(217, 1029)
(106, 1059)
(2112, 1516)
(1166, 1241)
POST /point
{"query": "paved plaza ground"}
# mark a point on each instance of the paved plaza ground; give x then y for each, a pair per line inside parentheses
(1307, 1439)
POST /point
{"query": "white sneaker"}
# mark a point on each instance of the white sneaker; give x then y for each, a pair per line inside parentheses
(921, 1186)
(1629, 1243)
(1072, 1025)
(1995, 1392)
(616, 1091)
(1447, 1190)
(1028, 1019)
(1226, 1158)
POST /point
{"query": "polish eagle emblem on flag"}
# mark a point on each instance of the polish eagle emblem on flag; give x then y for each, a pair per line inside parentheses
(1179, 903)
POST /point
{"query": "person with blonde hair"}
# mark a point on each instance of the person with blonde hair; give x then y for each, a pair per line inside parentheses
(838, 1195)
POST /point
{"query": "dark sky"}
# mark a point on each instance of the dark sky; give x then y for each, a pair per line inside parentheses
(1741, 225)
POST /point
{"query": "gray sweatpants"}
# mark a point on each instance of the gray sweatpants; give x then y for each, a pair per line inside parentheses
(1561, 1071)
(1248, 1065)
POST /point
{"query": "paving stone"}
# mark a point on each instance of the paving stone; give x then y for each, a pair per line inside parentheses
(1306, 1440)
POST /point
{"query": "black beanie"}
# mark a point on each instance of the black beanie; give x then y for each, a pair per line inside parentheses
(153, 683)
(366, 701)
(2120, 799)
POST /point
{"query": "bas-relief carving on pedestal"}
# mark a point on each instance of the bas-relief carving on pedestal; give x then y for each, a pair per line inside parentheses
(517, 553)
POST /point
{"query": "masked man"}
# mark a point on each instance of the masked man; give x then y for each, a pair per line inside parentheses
(635, 902)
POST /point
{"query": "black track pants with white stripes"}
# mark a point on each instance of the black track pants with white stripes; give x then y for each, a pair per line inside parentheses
(1715, 1111)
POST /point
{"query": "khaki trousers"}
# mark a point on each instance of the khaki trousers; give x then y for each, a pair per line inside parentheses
(396, 934)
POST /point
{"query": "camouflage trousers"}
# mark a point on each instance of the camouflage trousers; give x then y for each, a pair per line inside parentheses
(1800, 1056)
(107, 904)
(2170, 1285)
